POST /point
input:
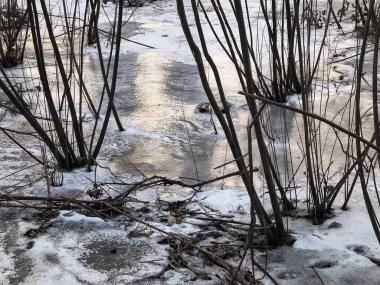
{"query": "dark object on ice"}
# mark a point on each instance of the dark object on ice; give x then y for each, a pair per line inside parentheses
(201, 276)
(134, 3)
(324, 264)
(30, 244)
(363, 250)
(143, 210)
(166, 240)
(114, 251)
(206, 108)
(46, 215)
(358, 248)
(288, 275)
(129, 3)
(335, 225)
(32, 233)
(96, 192)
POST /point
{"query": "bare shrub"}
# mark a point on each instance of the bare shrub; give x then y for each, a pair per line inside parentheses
(13, 23)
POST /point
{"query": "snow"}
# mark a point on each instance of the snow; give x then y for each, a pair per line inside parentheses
(356, 227)
(6, 261)
(226, 201)
(62, 261)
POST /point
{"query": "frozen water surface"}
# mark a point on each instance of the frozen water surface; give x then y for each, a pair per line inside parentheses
(157, 96)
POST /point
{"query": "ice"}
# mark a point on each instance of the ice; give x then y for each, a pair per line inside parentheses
(158, 95)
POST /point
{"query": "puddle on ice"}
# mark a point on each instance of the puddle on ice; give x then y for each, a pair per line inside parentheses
(157, 100)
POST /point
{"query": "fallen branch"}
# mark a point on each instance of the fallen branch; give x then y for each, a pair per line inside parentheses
(242, 276)
(163, 181)
(98, 207)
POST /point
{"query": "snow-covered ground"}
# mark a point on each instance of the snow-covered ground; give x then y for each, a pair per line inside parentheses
(158, 94)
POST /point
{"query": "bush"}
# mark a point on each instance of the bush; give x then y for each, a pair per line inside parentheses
(12, 37)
